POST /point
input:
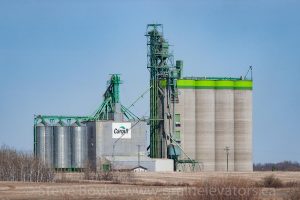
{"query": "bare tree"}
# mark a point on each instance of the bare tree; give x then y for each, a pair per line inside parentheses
(281, 166)
(19, 166)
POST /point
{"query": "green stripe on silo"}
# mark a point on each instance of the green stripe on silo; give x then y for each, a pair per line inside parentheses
(205, 84)
(243, 85)
(224, 84)
(212, 84)
(187, 84)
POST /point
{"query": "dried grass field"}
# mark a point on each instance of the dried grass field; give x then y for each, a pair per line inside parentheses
(148, 185)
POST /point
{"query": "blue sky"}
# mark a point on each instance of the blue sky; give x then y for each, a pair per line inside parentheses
(56, 56)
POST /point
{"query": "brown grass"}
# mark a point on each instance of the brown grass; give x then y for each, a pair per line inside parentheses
(223, 189)
(291, 184)
(116, 177)
(272, 182)
(294, 194)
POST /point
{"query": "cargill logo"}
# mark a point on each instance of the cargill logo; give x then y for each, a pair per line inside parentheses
(122, 130)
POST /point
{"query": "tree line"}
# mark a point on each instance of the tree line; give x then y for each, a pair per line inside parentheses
(280, 166)
(19, 166)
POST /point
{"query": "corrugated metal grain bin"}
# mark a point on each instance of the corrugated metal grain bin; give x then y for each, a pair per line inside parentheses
(44, 143)
(62, 146)
(79, 152)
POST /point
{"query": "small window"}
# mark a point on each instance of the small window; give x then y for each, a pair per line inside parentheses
(177, 120)
(177, 136)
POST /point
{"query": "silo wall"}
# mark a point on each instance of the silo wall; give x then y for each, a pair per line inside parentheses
(243, 126)
(224, 125)
(205, 123)
(62, 147)
(79, 156)
(44, 143)
(187, 112)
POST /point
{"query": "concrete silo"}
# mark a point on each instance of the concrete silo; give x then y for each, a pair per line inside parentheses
(224, 124)
(187, 115)
(216, 120)
(243, 126)
(205, 123)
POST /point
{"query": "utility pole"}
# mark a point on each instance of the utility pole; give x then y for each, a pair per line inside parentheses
(226, 149)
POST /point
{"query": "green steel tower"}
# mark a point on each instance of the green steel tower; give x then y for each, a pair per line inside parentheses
(161, 66)
(111, 107)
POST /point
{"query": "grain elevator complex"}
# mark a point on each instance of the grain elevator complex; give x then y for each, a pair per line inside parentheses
(195, 123)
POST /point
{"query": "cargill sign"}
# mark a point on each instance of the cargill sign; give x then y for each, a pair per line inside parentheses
(121, 130)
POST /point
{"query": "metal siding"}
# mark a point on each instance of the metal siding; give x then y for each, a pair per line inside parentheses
(129, 162)
(101, 145)
(164, 165)
(78, 145)
(62, 147)
(44, 136)
(124, 147)
(91, 135)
